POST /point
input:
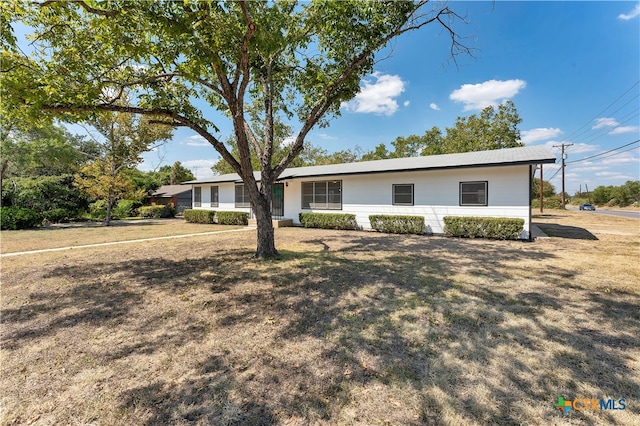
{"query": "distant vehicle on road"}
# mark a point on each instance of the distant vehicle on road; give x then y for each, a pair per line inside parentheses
(587, 206)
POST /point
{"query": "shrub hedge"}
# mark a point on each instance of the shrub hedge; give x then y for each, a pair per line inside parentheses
(328, 220)
(396, 224)
(59, 215)
(19, 218)
(498, 228)
(157, 212)
(199, 216)
(232, 218)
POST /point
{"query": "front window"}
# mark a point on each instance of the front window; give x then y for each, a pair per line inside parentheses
(242, 196)
(214, 196)
(197, 196)
(325, 194)
(403, 195)
(473, 193)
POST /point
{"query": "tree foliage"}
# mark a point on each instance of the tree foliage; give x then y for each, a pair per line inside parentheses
(622, 195)
(494, 128)
(245, 59)
(124, 137)
(548, 190)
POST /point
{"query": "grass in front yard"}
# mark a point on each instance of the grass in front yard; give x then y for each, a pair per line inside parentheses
(345, 328)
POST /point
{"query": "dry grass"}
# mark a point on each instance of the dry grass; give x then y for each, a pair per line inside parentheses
(345, 328)
(65, 235)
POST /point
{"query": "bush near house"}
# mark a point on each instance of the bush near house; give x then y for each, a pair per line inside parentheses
(483, 227)
(18, 218)
(199, 216)
(396, 224)
(232, 218)
(157, 212)
(126, 208)
(328, 220)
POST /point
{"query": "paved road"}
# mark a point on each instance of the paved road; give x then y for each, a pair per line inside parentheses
(633, 214)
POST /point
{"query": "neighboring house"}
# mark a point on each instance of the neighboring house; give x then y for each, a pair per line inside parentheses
(177, 196)
(493, 183)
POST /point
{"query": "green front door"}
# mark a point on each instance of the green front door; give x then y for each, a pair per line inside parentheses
(277, 202)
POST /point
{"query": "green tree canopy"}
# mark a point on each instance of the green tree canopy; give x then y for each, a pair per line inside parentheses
(300, 61)
(494, 128)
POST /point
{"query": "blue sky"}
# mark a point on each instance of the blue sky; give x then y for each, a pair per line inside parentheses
(571, 68)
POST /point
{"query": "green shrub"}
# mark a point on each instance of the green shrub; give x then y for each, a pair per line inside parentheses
(199, 216)
(18, 218)
(59, 215)
(98, 210)
(232, 218)
(44, 193)
(126, 208)
(157, 212)
(554, 202)
(328, 220)
(395, 224)
(483, 227)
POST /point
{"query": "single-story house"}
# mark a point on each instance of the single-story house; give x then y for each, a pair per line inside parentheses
(494, 183)
(177, 196)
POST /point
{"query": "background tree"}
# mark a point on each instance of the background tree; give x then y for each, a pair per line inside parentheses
(494, 128)
(548, 190)
(124, 137)
(279, 58)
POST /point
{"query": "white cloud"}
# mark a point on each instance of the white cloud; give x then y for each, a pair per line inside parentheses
(576, 148)
(539, 134)
(200, 168)
(626, 16)
(406, 103)
(434, 106)
(601, 123)
(377, 96)
(326, 136)
(288, 141)
(196, 140)
(589, 169)
(624, 129)
(614, 175)
(481, 95)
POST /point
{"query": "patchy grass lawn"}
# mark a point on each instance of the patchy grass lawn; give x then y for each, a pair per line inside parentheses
(76, 234)
(346, 328)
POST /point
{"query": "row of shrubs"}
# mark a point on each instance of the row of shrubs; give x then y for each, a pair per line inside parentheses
(211, 216)
(497, 228)
(456, 226)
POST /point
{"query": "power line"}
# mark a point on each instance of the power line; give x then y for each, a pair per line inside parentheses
(603, 153)
(574, 134)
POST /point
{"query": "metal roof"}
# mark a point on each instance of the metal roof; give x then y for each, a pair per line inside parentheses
(492, 158)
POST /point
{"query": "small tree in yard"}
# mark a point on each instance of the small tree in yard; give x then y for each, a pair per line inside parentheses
(280, 59)
(124, 138)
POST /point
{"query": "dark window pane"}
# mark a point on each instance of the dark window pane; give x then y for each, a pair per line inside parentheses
(403, 194)
(197, 196)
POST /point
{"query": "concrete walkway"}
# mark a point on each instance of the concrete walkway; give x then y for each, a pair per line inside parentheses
(113, 243)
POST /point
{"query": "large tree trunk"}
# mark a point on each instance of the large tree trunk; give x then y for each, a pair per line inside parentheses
(266, 237)
(261, 204)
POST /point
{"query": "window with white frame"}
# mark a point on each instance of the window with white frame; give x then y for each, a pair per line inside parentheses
(473, 193)
(323, 194)
(402, 194)
(197, 196)
(242, 196)
(214, 196)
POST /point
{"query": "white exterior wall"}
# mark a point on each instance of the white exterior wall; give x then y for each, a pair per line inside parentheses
(436, 194)
(226, 197)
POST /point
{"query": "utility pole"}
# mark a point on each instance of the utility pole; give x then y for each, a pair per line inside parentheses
(541, 185)
(564, 157)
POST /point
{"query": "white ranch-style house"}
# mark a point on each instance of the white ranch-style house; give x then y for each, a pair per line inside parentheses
(494, 183)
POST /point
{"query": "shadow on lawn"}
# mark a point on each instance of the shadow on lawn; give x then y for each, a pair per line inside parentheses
(374, 310)
(564, 231)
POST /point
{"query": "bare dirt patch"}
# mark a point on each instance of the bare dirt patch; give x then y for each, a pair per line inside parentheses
(344, 328)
